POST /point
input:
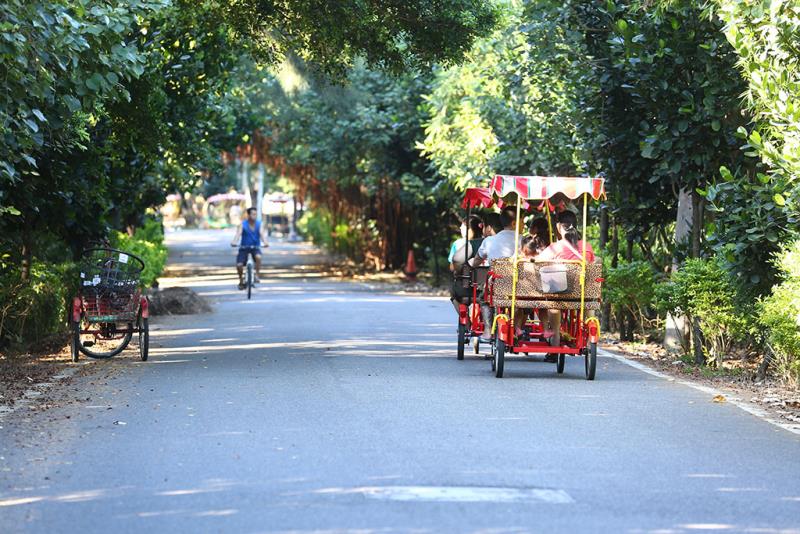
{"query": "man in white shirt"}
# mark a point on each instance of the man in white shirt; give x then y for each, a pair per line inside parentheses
(500, 245)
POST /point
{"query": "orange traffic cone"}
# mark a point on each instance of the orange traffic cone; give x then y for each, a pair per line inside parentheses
(410, 269)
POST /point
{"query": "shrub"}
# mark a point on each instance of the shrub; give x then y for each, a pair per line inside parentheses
(147, 242)
(32, 310)
(704, 292)
(779, 314)
(340, 238)
(630, 288)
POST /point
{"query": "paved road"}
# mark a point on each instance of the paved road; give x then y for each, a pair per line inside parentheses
(321, 407)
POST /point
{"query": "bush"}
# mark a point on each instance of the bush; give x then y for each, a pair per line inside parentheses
(147, 242)
(780, 316)
(30, 311)
(704, 292)
(630, 288)
(340, 238)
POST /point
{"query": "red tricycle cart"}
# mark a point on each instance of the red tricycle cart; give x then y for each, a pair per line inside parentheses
(518, 285)
(109, 308)
(469, 282)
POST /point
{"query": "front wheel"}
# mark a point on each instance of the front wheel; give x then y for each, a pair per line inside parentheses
(249, 280)
(591, 361)
(499, 358)
(560, 361)
(462, 334)
(144, 339)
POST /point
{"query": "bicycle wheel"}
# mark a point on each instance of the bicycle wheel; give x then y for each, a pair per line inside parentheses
(107, 343)
(144, 339)
(249, 279)
(462, 333)
(499, 358)
(590, 362)
(75, 340)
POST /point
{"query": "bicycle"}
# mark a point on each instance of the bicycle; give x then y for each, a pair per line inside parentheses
(109, 307)
(249, 279)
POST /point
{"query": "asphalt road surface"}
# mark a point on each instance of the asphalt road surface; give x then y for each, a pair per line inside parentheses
(322, 406)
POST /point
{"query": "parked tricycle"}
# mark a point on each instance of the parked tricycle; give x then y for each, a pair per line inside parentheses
(110, 308)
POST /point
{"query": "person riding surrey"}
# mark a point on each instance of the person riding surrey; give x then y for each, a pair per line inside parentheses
(249, 237)
(569, 247)
(502, 245)
(538, 228)
(491, 225)
(471, 239)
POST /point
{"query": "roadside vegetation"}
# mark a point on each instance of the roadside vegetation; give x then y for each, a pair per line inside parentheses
(688, 108)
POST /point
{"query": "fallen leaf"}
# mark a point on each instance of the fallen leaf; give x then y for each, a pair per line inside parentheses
(719, 398)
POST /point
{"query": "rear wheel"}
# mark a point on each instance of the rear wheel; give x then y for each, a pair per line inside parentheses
(499, 358)
(104, 343)
(560, 361)
(591, 361)
(144, 339)
(462, 334)
(75, 341)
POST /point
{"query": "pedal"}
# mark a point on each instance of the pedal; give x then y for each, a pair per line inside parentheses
(88, 344)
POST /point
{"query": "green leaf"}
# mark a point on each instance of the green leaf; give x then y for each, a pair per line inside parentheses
(779, 199)
(716, 125)
(73, 104)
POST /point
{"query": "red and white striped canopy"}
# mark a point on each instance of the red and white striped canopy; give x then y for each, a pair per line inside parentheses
(542, 187)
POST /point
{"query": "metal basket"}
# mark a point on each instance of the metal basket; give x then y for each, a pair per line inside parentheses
(110, 285)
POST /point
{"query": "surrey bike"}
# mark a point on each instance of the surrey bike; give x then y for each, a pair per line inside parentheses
(109, 308)
(469, 282)
(572, 287)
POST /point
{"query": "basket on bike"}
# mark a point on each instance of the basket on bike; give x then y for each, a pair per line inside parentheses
(110, 285)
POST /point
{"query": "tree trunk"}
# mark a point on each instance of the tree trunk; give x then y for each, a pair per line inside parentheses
(676, 334)
(697, 342)
(697, 224)
(629, 250)
(615, 245)
(605, 323)
(603, 228)
(27, 255)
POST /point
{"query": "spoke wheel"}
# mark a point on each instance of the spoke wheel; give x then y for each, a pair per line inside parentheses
(144, 339)
(104, 346)
(591, 361)
(249, 280)
(75, 340)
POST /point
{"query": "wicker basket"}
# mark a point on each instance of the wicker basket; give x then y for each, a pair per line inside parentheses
(529, 286)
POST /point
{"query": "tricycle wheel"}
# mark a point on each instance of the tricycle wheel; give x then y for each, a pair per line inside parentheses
(560, 361)
(591, 361)
(499, 358)
(462, 334)
(113, 351)
(144, 338)
(75, 340)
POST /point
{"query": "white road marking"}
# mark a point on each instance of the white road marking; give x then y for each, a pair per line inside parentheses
(748, 407)
(456, 494)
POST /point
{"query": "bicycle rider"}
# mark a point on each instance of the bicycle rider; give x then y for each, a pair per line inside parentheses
(249, 237)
